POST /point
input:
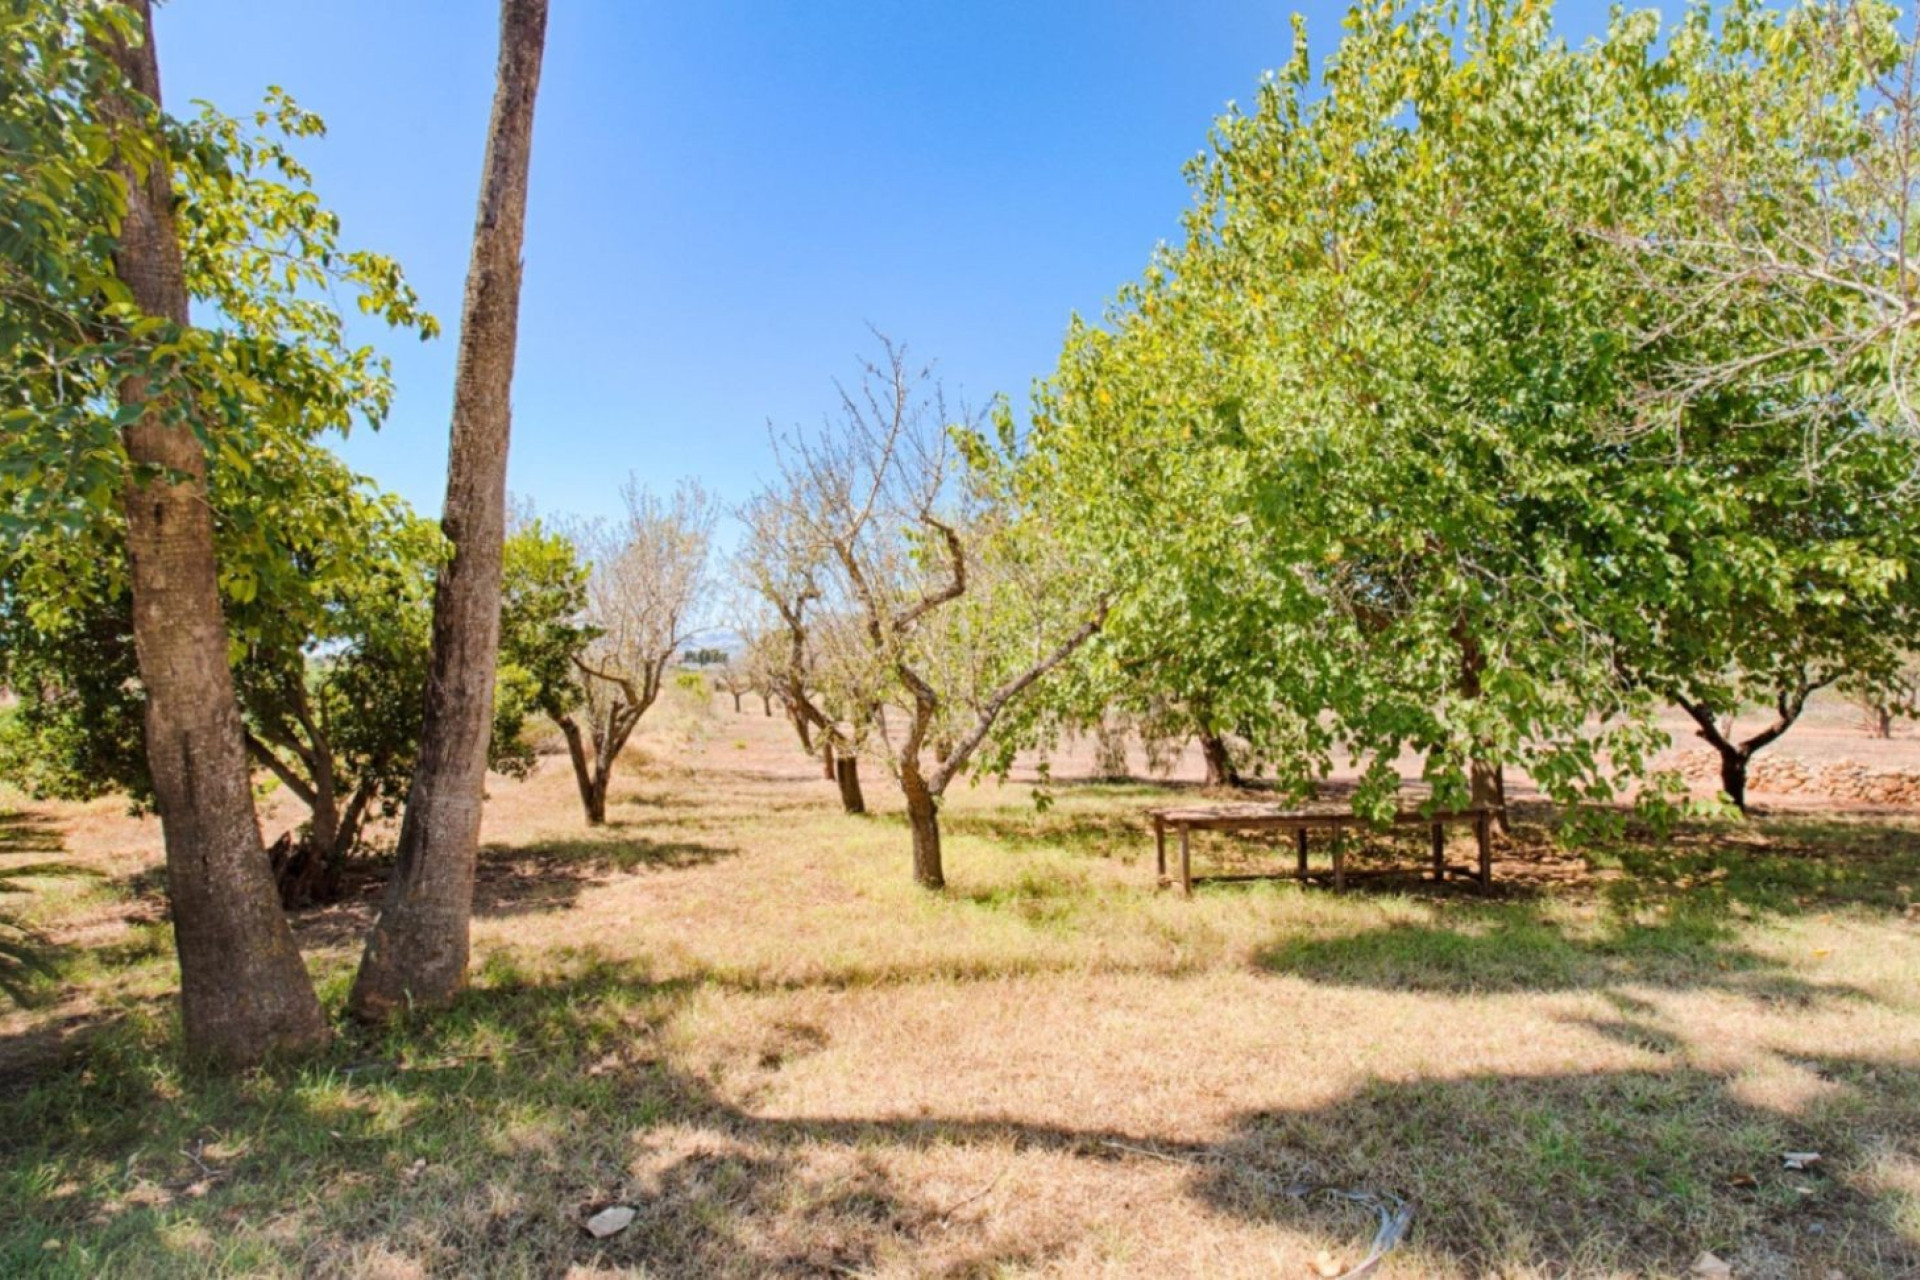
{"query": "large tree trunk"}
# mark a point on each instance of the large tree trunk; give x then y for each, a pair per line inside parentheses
(1488, 790)
(826, 756)
(923, 816)
(244, 991)
(846, 772)
(1220, 770)
(417, 952)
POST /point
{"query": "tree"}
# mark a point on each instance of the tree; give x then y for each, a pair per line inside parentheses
(643, 594)
(1789, 234)
(331, 659)
(1780, 299)
(416, 954)
(945, 574)
(109, 397)
(244, 989)
(731, 678)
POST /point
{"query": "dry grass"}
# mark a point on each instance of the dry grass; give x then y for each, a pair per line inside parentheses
(731, 1010)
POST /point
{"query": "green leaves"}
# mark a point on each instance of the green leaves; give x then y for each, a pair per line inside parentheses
(272, 368)
(1369, 451)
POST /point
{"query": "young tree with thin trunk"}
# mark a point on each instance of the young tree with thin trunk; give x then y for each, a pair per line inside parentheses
(830, 692)
(645, 590)
(945, 572)
(732, 679)
(244, 989)
(417, 951)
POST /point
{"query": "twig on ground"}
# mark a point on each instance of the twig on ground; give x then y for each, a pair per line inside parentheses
(964, 1201)
(1149, 1152)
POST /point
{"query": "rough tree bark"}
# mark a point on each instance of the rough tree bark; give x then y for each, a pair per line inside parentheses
(846, 772)
(417, 951)
(923, 817)
(244, 991)
(1220, 768)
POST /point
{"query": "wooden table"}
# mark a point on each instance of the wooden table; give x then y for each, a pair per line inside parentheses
(1187, 819)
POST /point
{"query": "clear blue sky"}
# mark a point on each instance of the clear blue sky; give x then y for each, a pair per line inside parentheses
(725, 194)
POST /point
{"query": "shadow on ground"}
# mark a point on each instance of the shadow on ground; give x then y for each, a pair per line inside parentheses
(483, 1140)
(27, 833)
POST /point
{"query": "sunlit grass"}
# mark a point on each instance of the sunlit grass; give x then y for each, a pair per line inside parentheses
(731, 1009)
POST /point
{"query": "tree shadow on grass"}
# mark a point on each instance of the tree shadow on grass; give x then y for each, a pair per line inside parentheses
(1663, 911)
(1518, 947)
(550, 875)
(481, 1140)
(1625, 1172)
(28, 833)
(512, 880)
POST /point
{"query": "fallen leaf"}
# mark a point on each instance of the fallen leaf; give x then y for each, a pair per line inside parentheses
(1327, 1265)
(1743, 1181)
(1709, 1267)
(1800, 1159)
(610, 1221)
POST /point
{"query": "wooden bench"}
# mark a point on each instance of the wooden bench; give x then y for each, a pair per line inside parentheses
(1186, 819)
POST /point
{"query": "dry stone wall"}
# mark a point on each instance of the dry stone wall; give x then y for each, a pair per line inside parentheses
(1785, 775)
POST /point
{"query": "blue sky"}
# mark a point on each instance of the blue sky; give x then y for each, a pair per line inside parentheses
(725, 194)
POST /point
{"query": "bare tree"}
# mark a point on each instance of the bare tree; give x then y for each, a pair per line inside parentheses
(244, 990)
(733, 680)
(901, 531)
(648, 582)
(417, 951)
(832, 705)
(762, 662)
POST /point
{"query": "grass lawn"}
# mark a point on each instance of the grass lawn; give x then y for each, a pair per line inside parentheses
(731, 1010)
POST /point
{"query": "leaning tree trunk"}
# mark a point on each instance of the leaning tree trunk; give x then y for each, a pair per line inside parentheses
(923, 816)
(846, 772)
(417, 951)
(244, 991)
(826, 756)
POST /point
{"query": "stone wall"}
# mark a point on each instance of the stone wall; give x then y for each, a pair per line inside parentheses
(1784, 775)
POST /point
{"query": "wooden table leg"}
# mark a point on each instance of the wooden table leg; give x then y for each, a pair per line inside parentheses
(1186, 863)
(1483, 832)
(1439, 853)
(1339, 859)
(1159, 850)
(1300, 840)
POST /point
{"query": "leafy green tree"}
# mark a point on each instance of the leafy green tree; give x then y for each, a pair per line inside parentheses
(1369, 450)
(330, 669)
(113, 401)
